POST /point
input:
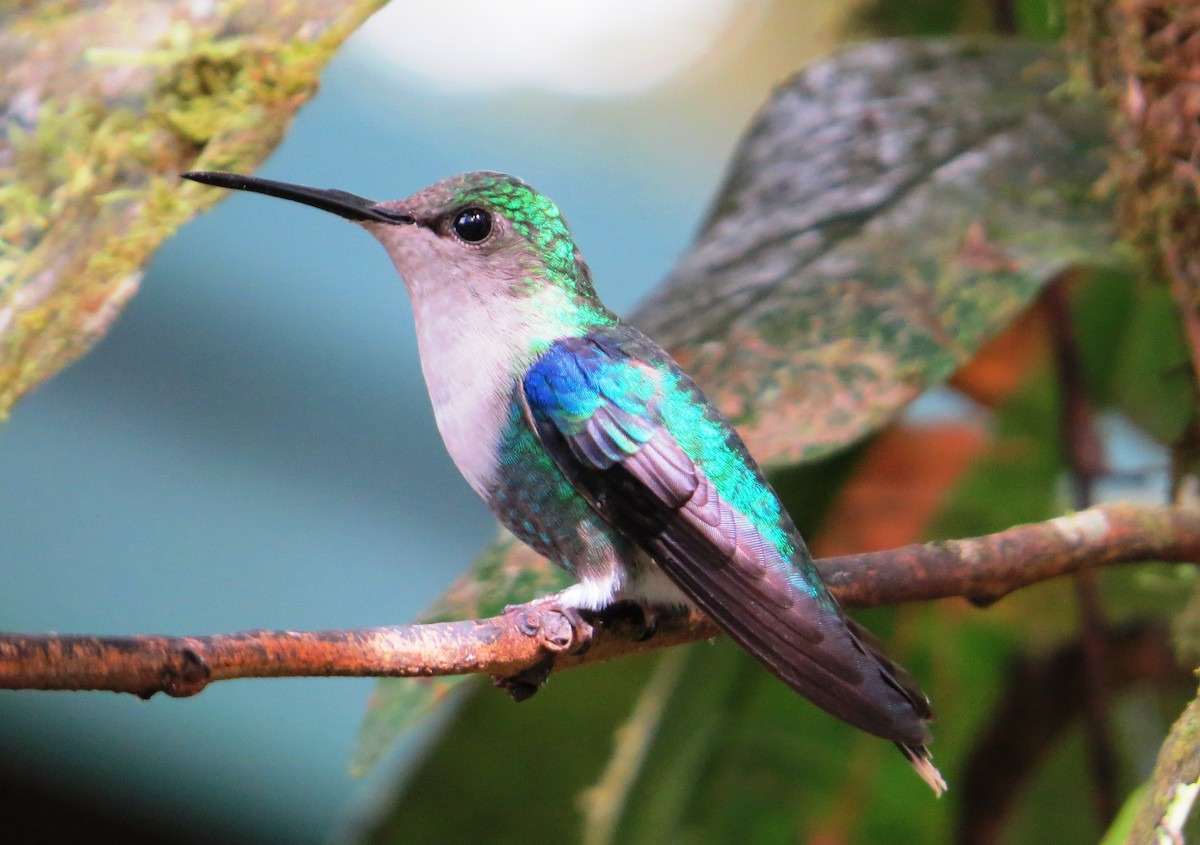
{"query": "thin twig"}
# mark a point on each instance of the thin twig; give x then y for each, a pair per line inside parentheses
(981, 568)
(1084, 453)
(986, 569)
(1004, 17)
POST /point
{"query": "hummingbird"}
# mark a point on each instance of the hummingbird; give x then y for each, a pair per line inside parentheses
(591, 445)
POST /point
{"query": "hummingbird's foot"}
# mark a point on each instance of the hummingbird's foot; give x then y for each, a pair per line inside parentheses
(649, 626)
(560, 627)
(521, 686)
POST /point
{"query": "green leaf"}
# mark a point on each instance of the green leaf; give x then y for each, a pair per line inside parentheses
(479, 777)
(1153, 382)
(888, 211)
(605, 803)
(1134, 354)
(1041, 18)
(109, 102)
(1118, 831)
(917, 17)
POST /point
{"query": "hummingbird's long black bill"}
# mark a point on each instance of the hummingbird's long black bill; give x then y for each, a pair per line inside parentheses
(341, 203)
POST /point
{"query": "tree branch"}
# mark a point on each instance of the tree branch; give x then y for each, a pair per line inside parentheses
(982, 569)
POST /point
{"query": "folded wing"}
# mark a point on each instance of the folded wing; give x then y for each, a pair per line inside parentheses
(597, 405)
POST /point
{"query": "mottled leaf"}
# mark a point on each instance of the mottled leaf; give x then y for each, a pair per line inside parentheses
(105, 104)
(887, 212)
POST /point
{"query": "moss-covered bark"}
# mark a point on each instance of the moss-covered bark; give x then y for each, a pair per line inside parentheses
(1173, 788)
(106, 103)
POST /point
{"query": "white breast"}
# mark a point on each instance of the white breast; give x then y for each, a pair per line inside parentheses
(476, 341)
(468, 367)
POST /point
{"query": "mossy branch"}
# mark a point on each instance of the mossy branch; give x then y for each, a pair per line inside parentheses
(1174, 786)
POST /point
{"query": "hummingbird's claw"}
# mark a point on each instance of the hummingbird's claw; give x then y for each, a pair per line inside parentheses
(649, 622)
(521, 686)
(561, 628)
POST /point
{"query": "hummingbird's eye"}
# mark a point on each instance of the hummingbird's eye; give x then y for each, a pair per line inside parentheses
(472, 224)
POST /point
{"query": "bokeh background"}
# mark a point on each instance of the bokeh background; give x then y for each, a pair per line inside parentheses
(251, 445)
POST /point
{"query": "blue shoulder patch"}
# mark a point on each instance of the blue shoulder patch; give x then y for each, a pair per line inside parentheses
(598, 398)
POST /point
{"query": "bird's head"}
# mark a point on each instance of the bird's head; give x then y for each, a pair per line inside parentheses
(485, 235)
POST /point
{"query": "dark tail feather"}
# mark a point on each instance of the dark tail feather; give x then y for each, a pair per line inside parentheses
(898, 678)
(895, 675)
